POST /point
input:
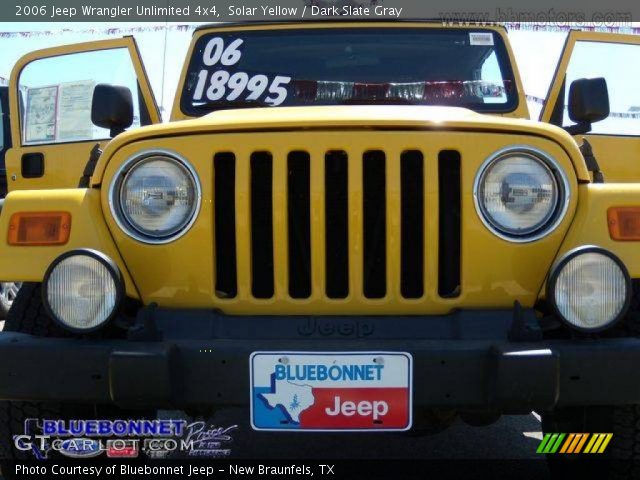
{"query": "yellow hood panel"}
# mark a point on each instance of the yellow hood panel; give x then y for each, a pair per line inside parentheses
(349, 117)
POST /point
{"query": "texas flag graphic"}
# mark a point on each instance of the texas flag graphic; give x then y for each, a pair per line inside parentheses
(331, 391)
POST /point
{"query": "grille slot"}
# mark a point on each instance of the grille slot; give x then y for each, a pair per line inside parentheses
(299, 224)
(374, 217)
(449, 230)
(412, 224)
(224, 164)
(336, 224)
(262, 284)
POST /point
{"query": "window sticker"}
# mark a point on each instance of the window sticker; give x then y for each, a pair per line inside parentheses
(224, 81)
(481, 39)
(40, 115)
(74, 111)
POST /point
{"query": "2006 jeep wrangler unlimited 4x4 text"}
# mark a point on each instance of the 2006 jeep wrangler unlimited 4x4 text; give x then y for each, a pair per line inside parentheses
(393, 244)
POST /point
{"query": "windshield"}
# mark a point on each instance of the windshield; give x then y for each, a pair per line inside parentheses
(319, 66)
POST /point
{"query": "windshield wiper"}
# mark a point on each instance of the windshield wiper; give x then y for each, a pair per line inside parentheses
(228, 104)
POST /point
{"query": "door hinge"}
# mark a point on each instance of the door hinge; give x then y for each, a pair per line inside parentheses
(89, 168)
(591, 161)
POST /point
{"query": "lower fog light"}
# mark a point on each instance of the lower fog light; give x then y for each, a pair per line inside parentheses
(590, 289)
(82, 290)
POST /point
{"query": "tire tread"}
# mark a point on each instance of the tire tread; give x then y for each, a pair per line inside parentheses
(26, 316)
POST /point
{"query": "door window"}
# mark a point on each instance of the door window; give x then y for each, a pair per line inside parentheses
(57, 93)
(619, 64)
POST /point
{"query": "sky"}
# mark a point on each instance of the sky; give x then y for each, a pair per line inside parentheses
(536, 53)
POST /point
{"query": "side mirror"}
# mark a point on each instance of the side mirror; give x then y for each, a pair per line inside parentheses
(112, 108)
(588, 103)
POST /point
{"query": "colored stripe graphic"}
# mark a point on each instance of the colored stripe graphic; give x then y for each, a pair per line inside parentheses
(578, 442)
(590, 444)
(544, 441)
(582, 442)
(556, 445)
(573, 443)
(598, 442)
(605, 442)
(567, 443)
(550, 443)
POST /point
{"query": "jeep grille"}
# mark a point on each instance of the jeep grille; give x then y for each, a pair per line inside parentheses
(334, 224)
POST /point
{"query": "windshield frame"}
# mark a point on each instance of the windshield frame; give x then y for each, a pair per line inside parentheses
(183, 109)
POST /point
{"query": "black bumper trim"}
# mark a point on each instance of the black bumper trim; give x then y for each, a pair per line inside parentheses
(464, 374)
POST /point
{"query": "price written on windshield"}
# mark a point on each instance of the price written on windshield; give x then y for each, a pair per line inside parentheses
(225, 84)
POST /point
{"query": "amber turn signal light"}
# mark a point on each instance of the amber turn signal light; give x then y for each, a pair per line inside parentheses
(39, 228)
(624, 223)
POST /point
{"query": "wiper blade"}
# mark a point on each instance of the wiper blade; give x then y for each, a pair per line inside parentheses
(227, 104)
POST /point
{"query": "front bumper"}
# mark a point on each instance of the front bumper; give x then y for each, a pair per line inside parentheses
(182, 359)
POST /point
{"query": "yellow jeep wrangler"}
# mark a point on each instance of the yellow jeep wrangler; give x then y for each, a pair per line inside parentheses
(345, 227)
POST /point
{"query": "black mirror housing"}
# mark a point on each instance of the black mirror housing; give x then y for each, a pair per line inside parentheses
(588, 103)
(112, 108)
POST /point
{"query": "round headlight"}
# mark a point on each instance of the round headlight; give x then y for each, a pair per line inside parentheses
(590, 289)
(156, 197)
(520, 194)
(82, 290)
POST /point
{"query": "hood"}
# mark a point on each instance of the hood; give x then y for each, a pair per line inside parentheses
(356, 116)
(322, 116)
(349, 117)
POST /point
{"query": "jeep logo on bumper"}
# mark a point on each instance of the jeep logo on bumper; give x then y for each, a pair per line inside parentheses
(327, 327)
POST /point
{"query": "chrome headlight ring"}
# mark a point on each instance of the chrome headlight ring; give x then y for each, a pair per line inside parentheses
(115, 195)
(556, 215)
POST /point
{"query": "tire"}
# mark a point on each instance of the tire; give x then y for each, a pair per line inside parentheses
(28, 316)
(8, 293)
(621, 459)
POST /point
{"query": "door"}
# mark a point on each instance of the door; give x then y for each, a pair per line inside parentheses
(50, 99)
(5, 137)
(615, 57)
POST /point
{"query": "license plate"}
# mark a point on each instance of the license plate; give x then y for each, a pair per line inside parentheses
(331, 391)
